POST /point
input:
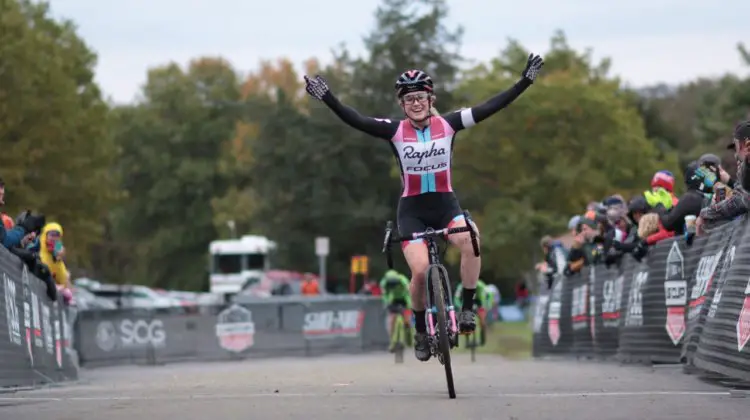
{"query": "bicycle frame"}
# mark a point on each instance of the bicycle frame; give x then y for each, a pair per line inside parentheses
(434, 262)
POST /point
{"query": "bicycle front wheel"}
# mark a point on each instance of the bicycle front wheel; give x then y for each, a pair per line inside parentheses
(438, 292)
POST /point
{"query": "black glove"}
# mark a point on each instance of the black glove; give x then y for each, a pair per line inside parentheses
(28, 257)
(42, 272)
(612, 257)
(317, 87)
(640, 250)
(33, 223)
(533, 67)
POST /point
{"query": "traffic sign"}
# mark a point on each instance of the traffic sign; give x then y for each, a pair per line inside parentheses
(322, 246)
(359, 264)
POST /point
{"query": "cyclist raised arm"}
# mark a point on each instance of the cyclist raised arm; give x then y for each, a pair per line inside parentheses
(423, 146)
(417, 81)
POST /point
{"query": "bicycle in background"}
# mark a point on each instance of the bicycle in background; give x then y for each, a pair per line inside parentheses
(478, 338)
(401, 333)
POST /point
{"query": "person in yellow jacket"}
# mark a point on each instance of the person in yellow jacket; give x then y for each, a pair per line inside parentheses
(52, 253)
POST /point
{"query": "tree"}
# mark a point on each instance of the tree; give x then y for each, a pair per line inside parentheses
(56, 150)
(171, 144)
(572, 137)
(315, 175)
(409, 34)
(257, 95)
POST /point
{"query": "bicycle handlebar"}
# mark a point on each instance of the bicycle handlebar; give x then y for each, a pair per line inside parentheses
(429, 233)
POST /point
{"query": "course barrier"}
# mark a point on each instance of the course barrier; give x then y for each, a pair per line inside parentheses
(283, 326)
(682, 304)
(35, 332)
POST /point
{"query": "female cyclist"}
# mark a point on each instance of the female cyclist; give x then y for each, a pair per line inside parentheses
(423, 145)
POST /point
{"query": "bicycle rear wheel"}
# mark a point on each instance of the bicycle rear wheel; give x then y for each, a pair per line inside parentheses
(473, 344)
(398, 326)
(438, 299)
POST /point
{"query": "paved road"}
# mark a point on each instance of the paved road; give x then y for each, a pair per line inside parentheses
(373, 387)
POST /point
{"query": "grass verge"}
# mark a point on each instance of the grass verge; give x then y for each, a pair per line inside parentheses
(512, 340)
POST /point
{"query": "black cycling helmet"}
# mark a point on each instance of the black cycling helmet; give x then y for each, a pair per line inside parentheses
(413, 81)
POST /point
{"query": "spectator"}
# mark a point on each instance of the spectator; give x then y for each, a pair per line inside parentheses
(12, 238)
(7, 220)
(633, 244)
(713, 162)
(522, 294)
(51, 251)
(372, 288)
(310, 286)
(554, 259)
(662, 189)
(616, 229)
(699, 181)
(573, 224)
(25, 232)
(739, 202)
(584, 251)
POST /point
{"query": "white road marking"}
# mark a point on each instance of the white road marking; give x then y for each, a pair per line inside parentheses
(281, 394)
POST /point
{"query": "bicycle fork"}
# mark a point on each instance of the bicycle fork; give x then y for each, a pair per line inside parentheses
(432, 312)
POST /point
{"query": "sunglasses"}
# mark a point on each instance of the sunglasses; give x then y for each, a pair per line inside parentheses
(417, 97)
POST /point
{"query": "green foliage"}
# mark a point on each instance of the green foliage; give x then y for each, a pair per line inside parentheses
(56, 147)
(569, 139)
(142, 189)
(171, 143)
(336, 181)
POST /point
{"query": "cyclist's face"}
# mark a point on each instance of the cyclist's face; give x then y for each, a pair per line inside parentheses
(416, 105)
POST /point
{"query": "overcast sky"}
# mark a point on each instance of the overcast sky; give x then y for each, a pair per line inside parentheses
(649, 41)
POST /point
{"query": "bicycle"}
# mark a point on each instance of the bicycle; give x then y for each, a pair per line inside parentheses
(400, 332)
(441, 337)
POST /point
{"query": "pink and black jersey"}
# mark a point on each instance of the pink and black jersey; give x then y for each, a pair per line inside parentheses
(424, 155)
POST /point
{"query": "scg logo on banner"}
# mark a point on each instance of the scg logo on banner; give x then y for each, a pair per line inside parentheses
(130, 334)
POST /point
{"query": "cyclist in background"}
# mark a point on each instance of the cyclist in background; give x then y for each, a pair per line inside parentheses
(482, 299)
(423, 145)
(397, 299)
(494, 300)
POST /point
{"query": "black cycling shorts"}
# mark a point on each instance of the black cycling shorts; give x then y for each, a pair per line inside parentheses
(431, 210)
(397, 306)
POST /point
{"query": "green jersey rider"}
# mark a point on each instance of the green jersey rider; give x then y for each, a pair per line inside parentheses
(397, 299)
(482, 296)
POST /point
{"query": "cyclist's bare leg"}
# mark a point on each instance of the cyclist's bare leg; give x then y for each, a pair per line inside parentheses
(470, 267)
(415, 253)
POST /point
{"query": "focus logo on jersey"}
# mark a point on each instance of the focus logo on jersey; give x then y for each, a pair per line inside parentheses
(420, 158)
